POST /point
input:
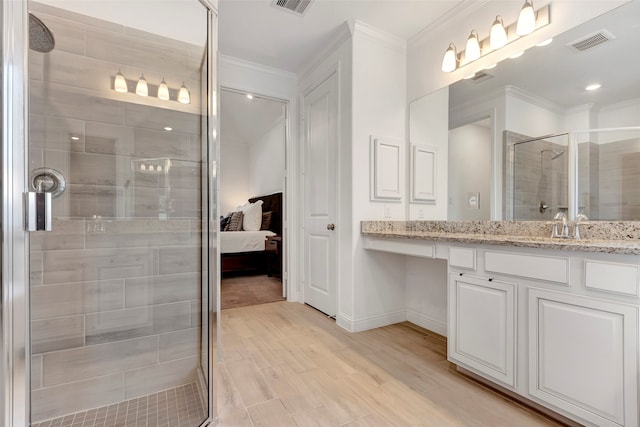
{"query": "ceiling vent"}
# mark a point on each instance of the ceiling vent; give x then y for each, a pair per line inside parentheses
(299, 7)
(591, 40)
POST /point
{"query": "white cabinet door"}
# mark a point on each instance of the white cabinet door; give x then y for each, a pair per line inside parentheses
(583, 356)
(482, 326)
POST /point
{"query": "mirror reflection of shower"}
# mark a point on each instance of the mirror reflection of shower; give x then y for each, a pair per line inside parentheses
(556, 154)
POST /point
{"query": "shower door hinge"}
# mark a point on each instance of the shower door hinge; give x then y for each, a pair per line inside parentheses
(37, 211)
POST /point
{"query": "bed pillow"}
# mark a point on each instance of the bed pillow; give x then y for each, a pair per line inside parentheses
(224, 221)
(235, 222)
(252, 216)
(266, 220)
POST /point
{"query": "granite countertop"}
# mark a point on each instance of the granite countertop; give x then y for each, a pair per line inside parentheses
(620, 237)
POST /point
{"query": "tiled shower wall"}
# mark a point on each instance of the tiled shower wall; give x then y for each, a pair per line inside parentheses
(535, 177)
(116, 286)
(618, 170)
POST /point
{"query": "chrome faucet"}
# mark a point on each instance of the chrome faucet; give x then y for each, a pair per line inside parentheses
(564, 234)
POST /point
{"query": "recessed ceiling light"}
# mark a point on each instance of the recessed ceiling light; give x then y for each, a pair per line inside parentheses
(547, 42)
(517, 55)
(75, 138)
(593, 86)
(168, 128)
(249, 96)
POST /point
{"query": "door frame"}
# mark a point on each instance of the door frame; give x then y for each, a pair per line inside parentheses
(289, 233)
(15, 315)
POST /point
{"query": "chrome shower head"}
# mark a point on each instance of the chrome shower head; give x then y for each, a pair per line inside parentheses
(40, 36)
(556, 154)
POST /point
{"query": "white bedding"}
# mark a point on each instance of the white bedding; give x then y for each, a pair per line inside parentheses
(232, 242)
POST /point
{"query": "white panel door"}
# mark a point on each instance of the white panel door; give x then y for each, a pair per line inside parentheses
(583, 356)
(321, 135)
(482, 326)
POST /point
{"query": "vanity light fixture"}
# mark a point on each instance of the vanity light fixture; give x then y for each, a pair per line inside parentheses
(163, 91)
(142, 88)
(529, 21)
(472, 50)
(119, 83)
(517, 55)
(593, 86)
(183, 95)
(526, 20)
(450, 60)
(498, 37)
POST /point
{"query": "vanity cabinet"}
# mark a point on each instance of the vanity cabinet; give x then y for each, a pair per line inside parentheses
(482, 326)
(583, 356)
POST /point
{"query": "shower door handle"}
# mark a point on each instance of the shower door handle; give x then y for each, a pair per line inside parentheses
(37, 211)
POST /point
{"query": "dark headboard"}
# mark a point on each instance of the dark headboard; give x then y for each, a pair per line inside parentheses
(273, 203)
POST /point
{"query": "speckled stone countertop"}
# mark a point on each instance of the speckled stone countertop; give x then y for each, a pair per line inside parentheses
(620, 237)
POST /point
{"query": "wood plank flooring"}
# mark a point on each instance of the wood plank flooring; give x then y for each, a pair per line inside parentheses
(286, 364)
(242, 291)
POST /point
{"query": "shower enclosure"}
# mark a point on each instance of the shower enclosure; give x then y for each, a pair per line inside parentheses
(536, 176)
(109, 311)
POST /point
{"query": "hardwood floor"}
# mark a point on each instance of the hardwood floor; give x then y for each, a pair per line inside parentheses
(242, 291)
(286, 364)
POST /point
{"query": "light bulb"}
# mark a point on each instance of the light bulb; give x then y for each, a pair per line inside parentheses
(141, 88)
(183, 95)
(526, 20)
(498, 37)
(120, 84)
(472, 51)
(249, 96)
(449, 62)
(163, 91)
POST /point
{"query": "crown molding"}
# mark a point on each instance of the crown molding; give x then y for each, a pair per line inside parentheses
(254, 66)
(460, 10)
(523, 95)
(342, 34)
(376, 34)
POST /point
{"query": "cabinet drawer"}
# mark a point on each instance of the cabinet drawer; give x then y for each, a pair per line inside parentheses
(611, 277)
(551, 269)
(400, 247)
(462, 257)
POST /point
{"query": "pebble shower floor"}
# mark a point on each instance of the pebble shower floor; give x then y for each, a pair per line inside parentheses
(176, 407)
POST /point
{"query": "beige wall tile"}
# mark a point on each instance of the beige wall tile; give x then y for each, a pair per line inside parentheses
(97, 264)
(143, 381)
(76, 298)
(137, 322)
(35, 267)
(178, 345)
(97, 360)
(144, 233)
(50, 402)
(163, 289)
(36, 372)
(64, 234)
(142, 116)
(57, 334)
(179, 260)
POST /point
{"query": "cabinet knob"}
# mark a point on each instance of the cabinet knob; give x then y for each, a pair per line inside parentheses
(331, 227)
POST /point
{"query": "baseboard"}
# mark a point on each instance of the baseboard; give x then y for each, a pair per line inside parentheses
(364, 324)
(427, 322)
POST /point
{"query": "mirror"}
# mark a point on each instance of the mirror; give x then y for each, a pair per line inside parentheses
(543, 93)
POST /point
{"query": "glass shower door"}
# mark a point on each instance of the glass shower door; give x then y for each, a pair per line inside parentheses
(119, 134)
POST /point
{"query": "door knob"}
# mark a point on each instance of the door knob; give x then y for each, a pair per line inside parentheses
(331, 227)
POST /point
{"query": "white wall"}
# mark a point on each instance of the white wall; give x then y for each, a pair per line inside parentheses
(379, 108)
(234, 174)
(469, 171)
(429, 125)
(266, 162)
(625, 114)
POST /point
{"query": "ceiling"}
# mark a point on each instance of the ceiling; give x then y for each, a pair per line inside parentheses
(559, 73)
(256, 31)
(244, 121)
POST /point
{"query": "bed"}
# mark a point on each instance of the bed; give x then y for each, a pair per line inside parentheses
(243, 252)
